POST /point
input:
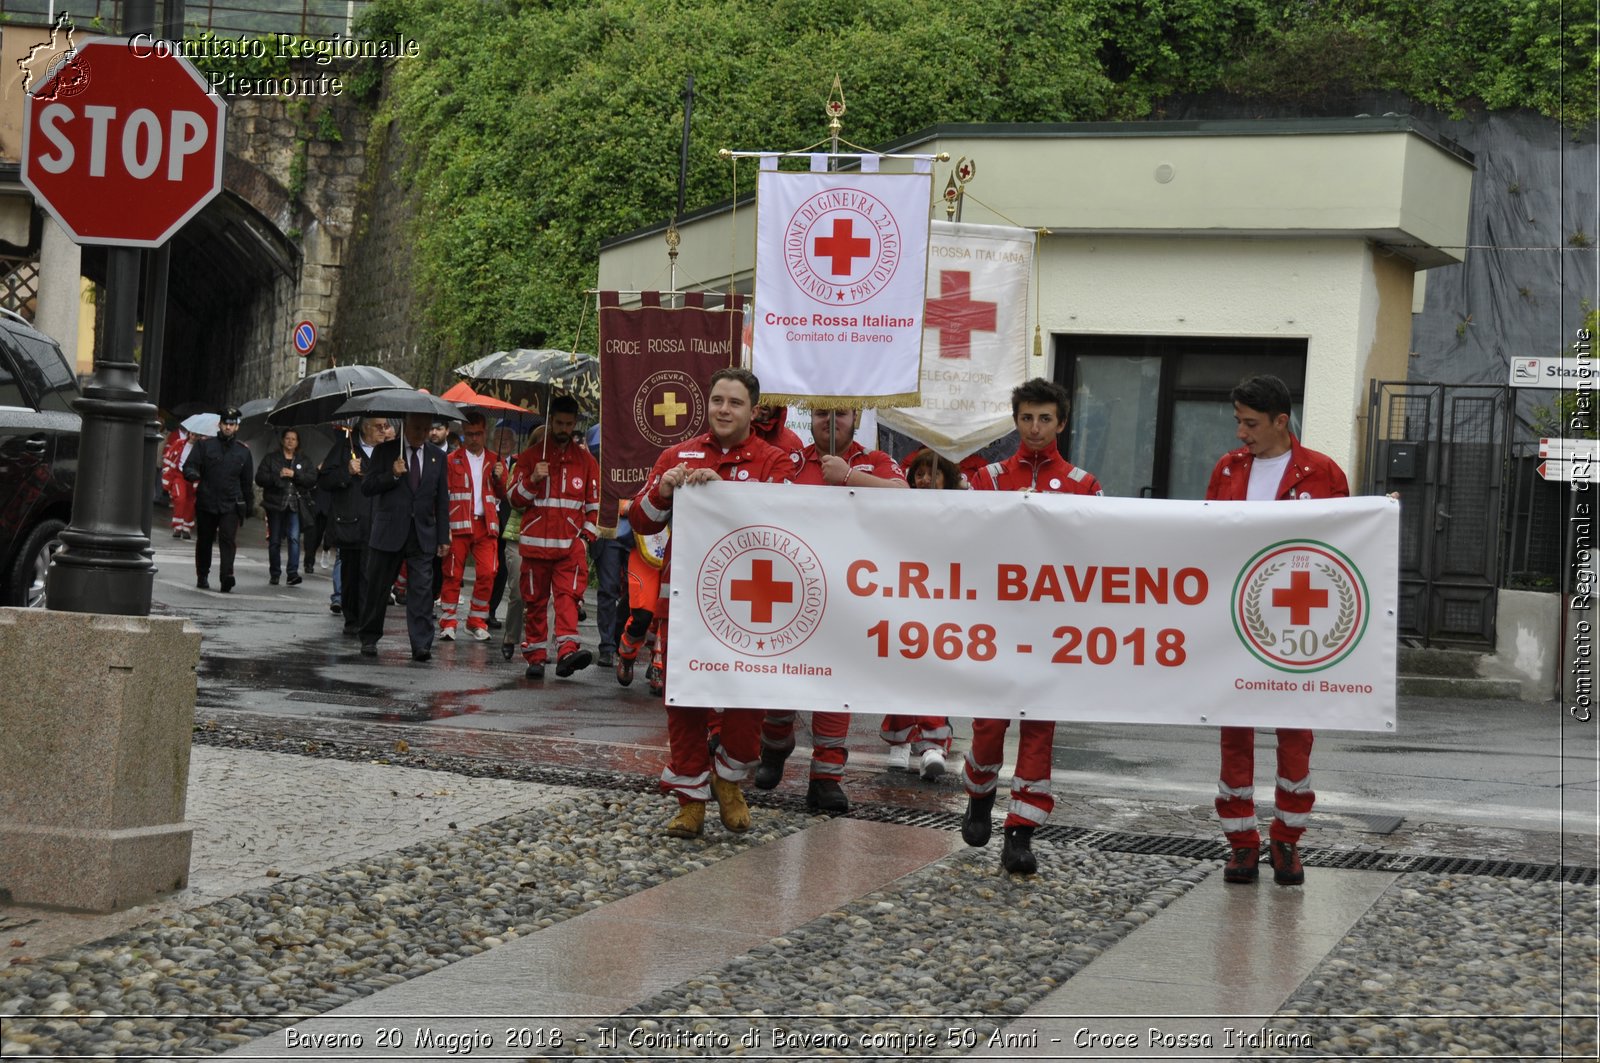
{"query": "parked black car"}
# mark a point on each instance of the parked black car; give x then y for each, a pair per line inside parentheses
(38, 457)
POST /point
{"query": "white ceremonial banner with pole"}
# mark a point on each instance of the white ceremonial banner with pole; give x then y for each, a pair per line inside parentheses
(976, 331)
(1036, 606)
(841, 273)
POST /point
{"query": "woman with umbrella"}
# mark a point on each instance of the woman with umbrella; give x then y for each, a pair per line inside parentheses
(285, 478)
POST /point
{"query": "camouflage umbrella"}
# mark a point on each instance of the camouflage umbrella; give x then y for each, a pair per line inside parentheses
(528, 378)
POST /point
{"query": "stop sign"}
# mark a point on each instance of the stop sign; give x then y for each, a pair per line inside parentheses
(122, 143)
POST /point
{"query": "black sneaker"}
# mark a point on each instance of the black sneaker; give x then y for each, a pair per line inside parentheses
(1285, 860)
(1016, 856)
(335, 608)
(534, 671)
(769, 773)
(1243, 865)
(227, 584)
(369, 649)
(508, 650)
(203, 584)
(826, 795)
(573, 661)
(495, 625)
(294, 579)
(975, 825)
(273, 580)
(606, 659)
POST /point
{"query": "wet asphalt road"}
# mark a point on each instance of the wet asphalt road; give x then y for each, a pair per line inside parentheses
(278, 652)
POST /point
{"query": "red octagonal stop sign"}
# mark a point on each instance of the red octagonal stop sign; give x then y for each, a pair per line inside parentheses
(123, 145)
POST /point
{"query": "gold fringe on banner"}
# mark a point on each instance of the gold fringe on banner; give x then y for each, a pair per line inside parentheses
(840, 402)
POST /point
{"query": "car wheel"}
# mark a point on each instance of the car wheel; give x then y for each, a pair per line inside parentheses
(25, 582)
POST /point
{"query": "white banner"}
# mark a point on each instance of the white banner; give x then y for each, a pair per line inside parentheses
(1036, 606)
(977, 326)
(841, 271)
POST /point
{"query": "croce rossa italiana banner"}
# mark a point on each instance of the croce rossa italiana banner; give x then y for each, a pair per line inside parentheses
(1035, 606)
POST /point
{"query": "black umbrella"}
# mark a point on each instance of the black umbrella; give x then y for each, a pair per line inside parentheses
(398, 402)
(529, 377)
(317, 398)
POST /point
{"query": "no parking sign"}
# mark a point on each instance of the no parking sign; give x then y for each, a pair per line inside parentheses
(305, 337)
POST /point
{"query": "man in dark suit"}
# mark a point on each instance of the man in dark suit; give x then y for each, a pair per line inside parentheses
(350, 513)
(405, 478)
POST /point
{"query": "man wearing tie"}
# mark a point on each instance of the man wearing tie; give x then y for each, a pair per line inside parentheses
(405, 479)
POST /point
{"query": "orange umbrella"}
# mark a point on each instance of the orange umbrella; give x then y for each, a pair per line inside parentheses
(463, 395)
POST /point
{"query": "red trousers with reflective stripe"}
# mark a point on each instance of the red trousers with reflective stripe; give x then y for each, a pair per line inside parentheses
(566, 577)
(916, 730)
(182, 493)
(1238, 773)
(1034, 741)
(485, 551)
(828, 731)
(688, 754)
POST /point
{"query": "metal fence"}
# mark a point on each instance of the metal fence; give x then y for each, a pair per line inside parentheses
(305, 18)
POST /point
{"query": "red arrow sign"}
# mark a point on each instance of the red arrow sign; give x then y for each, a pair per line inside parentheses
(122, 144)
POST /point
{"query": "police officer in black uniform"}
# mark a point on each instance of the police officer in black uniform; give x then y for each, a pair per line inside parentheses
(224, 476)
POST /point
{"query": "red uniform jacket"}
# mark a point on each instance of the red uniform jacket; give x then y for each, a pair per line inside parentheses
(754, 460)
(781, 436)
(458, 482)
(1042, 470)
(874, 462)
(172, 457)
(1309, 474)
(561, 508)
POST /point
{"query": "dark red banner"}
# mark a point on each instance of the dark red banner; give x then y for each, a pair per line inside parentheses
(654, 365)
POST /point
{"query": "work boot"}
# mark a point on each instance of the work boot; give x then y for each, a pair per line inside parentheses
(227, 584)
(730, 804)
(826, 795)
(1285, 860)
(932, 764)
(769, 773)
(656, 675)
(1242, 865)
(975, 826)
(535, 671)
(689, 822)
(625, 671)
(1016, 856)
(573, 661)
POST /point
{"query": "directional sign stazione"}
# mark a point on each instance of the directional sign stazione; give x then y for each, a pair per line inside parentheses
(122, 143)
(1541, 372)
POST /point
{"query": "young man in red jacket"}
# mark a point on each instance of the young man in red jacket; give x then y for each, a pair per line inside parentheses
(836, 459)
(476, 480)
(1271, 466)
(727, 452)
(557, 486)
(1039, 409)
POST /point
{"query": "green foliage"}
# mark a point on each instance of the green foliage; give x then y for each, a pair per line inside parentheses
(1574, 414)
(538, 127)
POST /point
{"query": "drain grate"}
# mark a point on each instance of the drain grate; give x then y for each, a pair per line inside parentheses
(1107, 841)
(357, 701)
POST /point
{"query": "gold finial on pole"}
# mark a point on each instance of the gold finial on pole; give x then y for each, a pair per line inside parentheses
(835, 108)
(672, 256)
(952, 192)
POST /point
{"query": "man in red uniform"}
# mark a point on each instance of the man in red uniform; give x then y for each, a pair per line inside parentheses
(727, 452)
(837, 459)
(557, 486)
(476, 480)
(179, 490)
(1272, 465)
(1039, 409)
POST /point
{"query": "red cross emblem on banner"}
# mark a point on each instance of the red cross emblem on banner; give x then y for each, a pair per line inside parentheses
(841, 247)
(762, 591)
(957, 315)
(1300, 598)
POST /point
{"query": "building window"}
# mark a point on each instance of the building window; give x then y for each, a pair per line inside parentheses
(1150, 414)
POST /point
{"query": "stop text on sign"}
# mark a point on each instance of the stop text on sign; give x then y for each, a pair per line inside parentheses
(144, 139)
